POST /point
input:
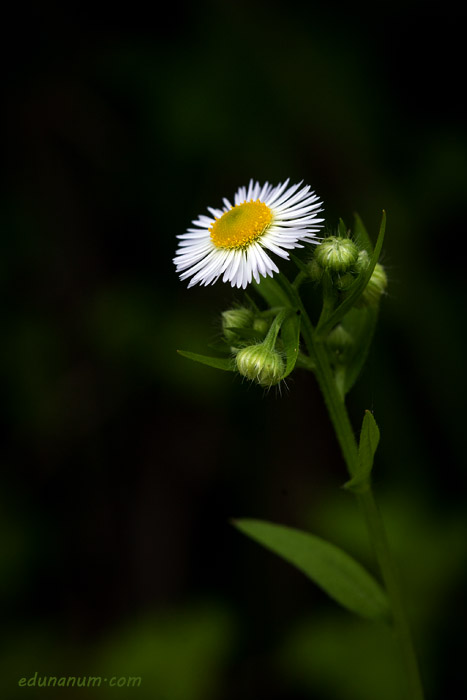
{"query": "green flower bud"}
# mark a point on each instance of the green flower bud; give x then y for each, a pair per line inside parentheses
(375, 288)
(256, 362)
(261, 325)
(362, 261)
(345, 281)
(336, 254)
(339, 341)
(235, 318)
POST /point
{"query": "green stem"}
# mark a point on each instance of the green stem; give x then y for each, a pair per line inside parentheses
(341, 422)
(401, 626)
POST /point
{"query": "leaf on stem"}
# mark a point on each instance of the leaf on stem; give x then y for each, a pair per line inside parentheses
(290, 335)
(369, 439)
(361, 235)
(342, 229)
(333, 570)
(303, 267)
(272, 292)
(360, 324)
(224, 363)
(245, 333)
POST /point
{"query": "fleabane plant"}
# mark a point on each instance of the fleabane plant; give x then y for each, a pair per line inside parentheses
(273, 333)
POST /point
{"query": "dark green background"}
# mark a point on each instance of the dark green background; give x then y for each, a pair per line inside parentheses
(122, 461)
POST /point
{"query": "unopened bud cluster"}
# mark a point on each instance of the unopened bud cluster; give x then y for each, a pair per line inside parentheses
(342, 260)
(257, 361)
(240, 318)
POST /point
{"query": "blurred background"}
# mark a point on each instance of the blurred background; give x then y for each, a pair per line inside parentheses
(123, 462)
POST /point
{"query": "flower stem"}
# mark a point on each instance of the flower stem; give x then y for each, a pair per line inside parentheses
(378, 537)
(340, 419)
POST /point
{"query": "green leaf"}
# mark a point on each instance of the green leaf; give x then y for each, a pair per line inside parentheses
(245, 333)
(342, 229)
(290, 335)
(357, 287)
(360, 324)
(218, 345)
(337, 573)
(369, 439)
(224, 363)
(271, 291)
(361, 236)
(251, 303)
(303, 267)
(305, 362)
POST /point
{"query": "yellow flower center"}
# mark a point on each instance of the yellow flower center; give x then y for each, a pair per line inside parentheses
(241, 225)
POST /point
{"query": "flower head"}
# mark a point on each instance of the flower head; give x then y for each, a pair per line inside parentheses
(235, 242)
(260, 364)
(336, 254)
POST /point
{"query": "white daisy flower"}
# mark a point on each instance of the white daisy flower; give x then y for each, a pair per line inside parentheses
(235, 242)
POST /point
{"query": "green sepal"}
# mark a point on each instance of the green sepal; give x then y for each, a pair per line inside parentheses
(358, 286)
(290, 336)
(224, 363)
(369, 439)
(333, 570)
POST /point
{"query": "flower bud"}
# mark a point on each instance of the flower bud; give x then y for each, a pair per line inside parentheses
(375, 288)
(336, 254)
(345, 281)
(256, 362)
(261, 325)
(235, 318)
(339, 341)
(362, 262)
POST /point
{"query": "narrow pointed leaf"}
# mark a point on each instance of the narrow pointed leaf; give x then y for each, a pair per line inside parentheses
(290, 335)
(360, 324)
(342, 228)
(337, 573)
(271, 291)
(224, 363)
(289, 291)
(369, 439)
(245, 333)
(361, 236)
(251, 302)
(305, 362)
(303, 267)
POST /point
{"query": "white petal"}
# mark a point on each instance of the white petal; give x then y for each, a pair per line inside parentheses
(232, 268)
(295, 210)
(274, 248)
